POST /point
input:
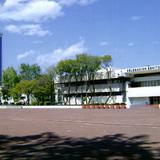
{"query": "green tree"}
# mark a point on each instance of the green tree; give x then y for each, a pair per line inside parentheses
(44, 91)
(10, 79)
(106, 63)
(84, 68)
(5, 93)
(51, 74)
(89, 65)
(65, 69)
(29, 72)
(16, 94)
(24, 87)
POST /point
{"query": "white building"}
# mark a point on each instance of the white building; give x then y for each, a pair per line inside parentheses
(132, 86)
(144, 86)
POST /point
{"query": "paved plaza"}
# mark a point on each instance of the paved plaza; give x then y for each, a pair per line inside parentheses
(80, 134)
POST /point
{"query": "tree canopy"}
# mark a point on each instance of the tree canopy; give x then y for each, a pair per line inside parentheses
(10, 77)
(29, 72)
(83, 63)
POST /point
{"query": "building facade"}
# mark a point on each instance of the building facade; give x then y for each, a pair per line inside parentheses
(144, 86)
(132, 86)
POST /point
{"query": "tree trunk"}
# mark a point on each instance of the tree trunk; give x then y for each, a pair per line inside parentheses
(28, 99)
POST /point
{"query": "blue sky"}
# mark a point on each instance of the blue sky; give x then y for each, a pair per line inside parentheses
(47, 31)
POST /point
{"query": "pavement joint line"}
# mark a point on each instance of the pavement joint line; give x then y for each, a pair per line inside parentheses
(110, 124)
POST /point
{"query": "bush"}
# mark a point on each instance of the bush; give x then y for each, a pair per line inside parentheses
(35, 103)
(47, 103)
(19, 103)
(41, 103)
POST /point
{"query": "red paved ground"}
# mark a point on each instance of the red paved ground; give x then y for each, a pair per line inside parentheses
(80, 134)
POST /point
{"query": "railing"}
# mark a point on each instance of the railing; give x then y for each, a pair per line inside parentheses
(90, 90)
(97, 76)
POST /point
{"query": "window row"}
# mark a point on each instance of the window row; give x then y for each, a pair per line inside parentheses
(145, 83)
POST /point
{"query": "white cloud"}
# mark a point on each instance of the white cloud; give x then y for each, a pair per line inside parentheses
(136, 18)
(11, 3)
(86, 2)
(60, 54)
(28, 29)
(66, 2)
(36, 10)
(103, 43)
(130, 44)
(25, 55)
(30, 10)
(79, 2)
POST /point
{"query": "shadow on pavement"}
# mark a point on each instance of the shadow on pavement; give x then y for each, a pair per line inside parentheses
(50, 146)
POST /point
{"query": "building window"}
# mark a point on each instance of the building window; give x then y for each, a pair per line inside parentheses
(145, 83)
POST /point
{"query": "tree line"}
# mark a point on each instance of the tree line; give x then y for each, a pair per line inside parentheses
(40, 87)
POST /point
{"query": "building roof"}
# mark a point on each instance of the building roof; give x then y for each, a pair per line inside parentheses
(144, 70)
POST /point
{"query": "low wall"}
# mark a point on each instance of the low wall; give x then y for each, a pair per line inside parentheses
(67, 107)
(154, 106)
(10, 107)
(108, 106)
(52, 107)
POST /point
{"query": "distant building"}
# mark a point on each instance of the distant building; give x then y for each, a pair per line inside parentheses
(132, 86)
